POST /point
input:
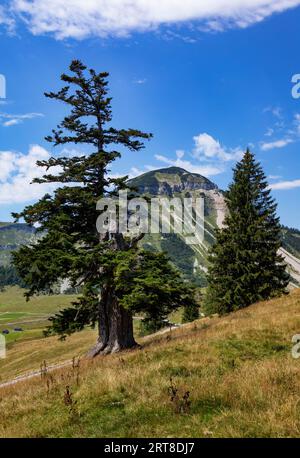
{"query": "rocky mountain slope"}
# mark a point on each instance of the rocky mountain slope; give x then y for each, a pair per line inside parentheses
(190, 259)
(12, 236)
(177, 182)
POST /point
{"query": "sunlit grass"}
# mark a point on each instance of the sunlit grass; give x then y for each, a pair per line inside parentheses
(242, 379)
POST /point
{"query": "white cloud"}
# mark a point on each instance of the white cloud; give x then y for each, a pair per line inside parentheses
(170, 35)
(17, 171)
(11, 122)
(285, 185)
(278, 124)
(180, 153)
(274, 177)
(297, 123)
(205, 170)
(275, 111)
(209, 156)
(277, 144)
(289, 135)
(71, 152)
(6, 19)
(8, 120)
(140, 81)
(270, 132)
(133, 172)
(6, 165)
(81, 19)
(206, 147)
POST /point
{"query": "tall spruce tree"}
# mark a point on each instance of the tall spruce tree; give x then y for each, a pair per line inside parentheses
(116, 277)
(245, 264)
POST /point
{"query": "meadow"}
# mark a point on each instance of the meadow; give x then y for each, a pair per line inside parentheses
(31, 316)
(232, 376)
(27, 349)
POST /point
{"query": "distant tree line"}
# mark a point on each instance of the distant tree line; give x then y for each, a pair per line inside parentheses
(10, 277)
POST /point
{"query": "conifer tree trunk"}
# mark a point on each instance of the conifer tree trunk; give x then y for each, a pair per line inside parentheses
(115, 327)
(103, 329)
(120, 329)
(115, 323)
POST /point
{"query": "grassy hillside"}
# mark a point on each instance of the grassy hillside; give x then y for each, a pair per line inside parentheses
(242, 379)
(25, 356)
(31, 316)
(28, 348)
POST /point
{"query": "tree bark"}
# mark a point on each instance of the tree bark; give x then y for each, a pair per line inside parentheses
(120, 329)
(115, 327)
(115, 324)
(103, 328)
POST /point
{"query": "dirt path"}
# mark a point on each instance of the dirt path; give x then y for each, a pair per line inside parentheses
(52, 367)
(35, 373)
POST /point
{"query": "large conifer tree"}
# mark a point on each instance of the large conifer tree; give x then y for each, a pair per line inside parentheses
(117, 278)
(245, 264)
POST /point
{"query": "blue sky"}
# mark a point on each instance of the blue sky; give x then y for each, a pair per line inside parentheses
(206, 81)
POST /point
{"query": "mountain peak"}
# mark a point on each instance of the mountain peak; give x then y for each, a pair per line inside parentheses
(172, 170)
(167, 181)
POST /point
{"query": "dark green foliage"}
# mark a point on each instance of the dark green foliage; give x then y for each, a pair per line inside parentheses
(150, 325)
(190, 313)
(10, 277)
(180, 254)
(245, 265)
(148, 283)
(144, 282)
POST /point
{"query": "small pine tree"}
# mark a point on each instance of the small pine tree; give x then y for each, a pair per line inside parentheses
(116, 279)
(245, 264)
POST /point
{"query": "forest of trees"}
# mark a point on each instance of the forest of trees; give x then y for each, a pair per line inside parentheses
(10, 277)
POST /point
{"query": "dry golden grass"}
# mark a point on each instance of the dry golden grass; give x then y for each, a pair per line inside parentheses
(242, 379)
(26, 356)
